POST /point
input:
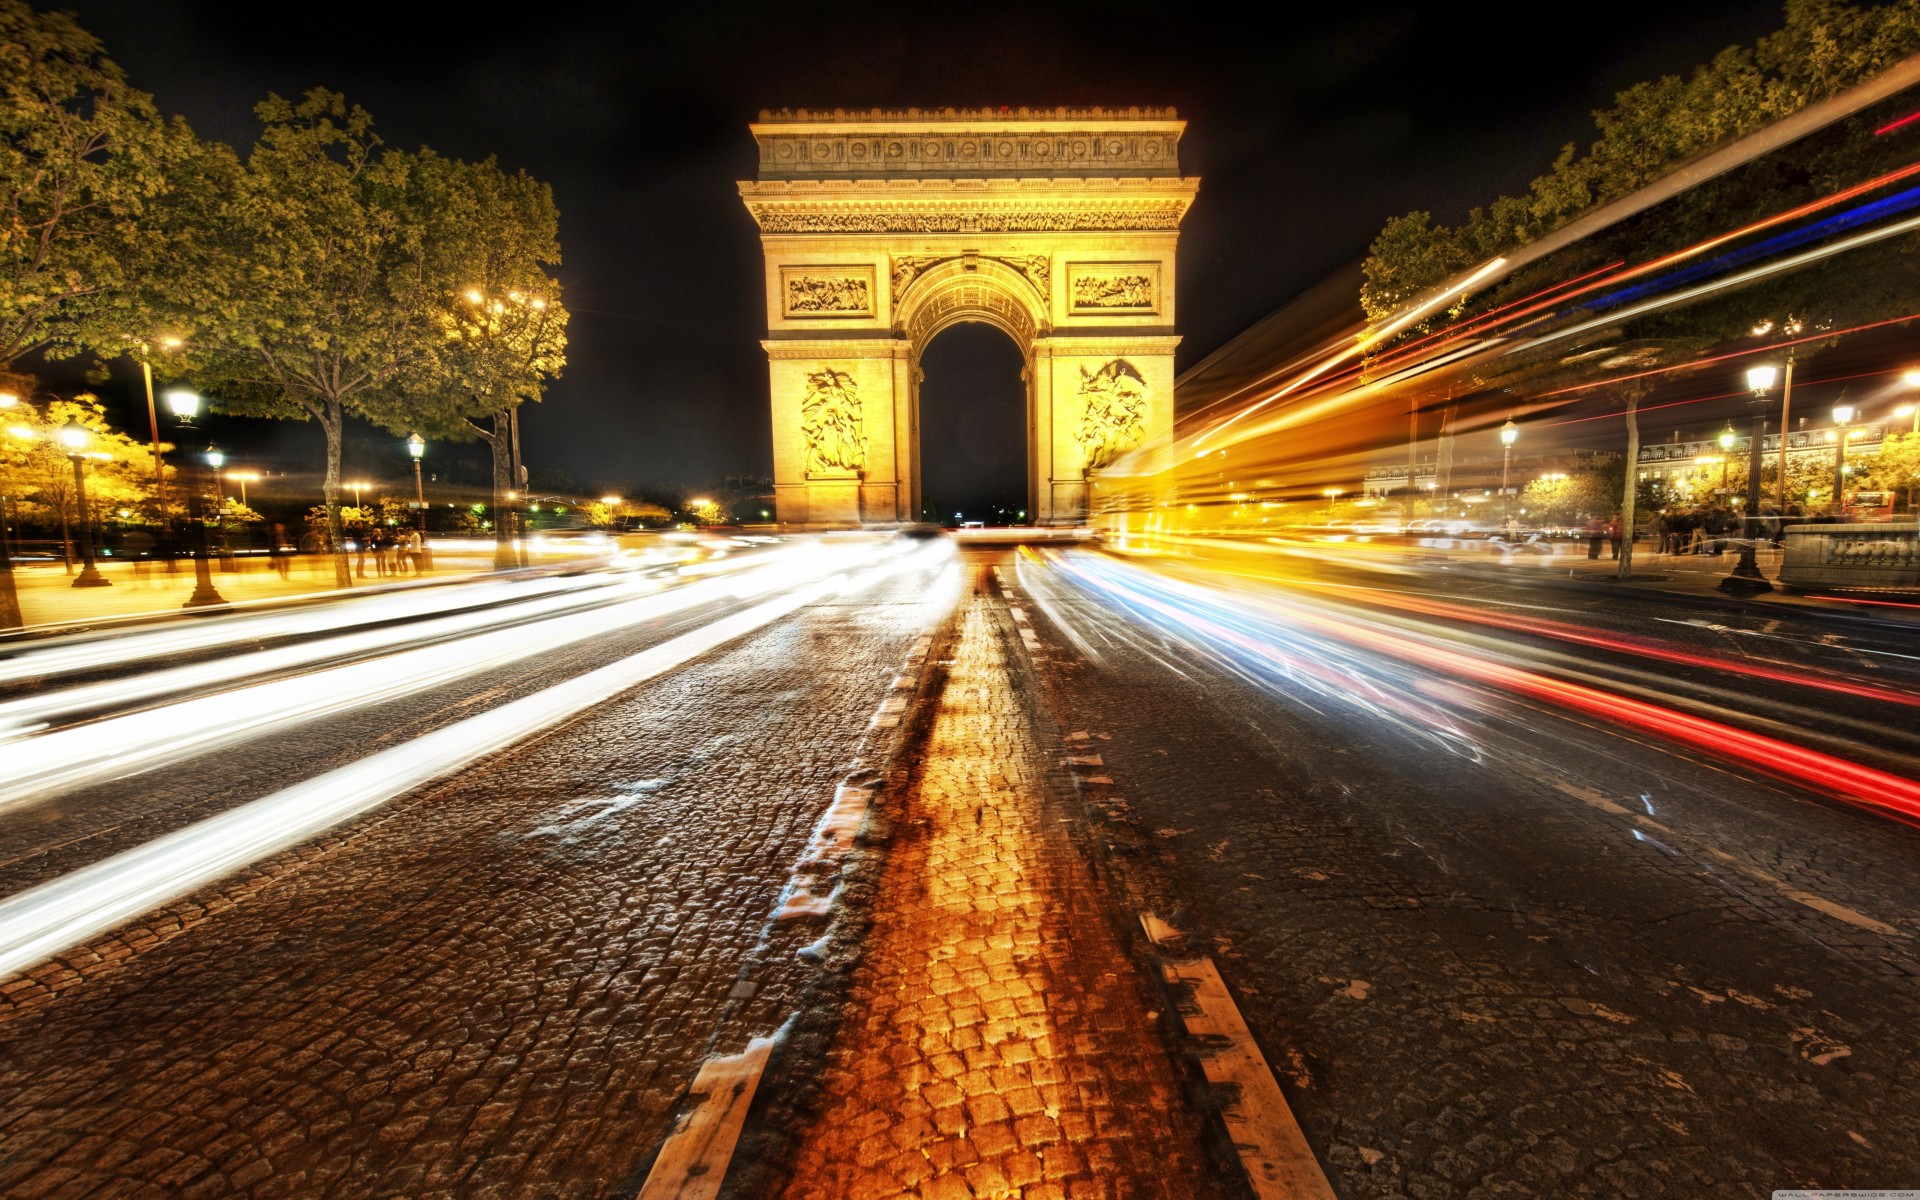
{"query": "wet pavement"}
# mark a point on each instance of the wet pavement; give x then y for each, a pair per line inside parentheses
(1491, 945)
(496, 986)
(1538, 955)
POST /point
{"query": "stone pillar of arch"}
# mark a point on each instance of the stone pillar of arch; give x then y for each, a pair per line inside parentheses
(882, 229)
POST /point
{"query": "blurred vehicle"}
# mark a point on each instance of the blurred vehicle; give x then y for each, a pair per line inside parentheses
(1527, 541)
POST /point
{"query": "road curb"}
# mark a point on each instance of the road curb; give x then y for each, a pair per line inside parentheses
(828, 896)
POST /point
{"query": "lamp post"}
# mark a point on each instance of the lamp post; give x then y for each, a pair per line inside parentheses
(185, 406)
(1842, 417)
(75, 436)
(1509, 433)
(357, 485)
(10, 617)
(1746, 579)
(417, 447)
(243, 478)
(1727, 438)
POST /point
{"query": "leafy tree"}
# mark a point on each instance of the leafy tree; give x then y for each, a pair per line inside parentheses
(485, 240)
(303, 313)
(1823, 48)
(1896, 467)
(119, 468)
(86, 164)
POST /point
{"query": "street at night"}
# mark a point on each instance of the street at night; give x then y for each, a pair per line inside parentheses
(738, 603)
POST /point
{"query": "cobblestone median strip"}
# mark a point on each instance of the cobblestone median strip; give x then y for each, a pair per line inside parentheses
(998, 1042)
(693, 1161)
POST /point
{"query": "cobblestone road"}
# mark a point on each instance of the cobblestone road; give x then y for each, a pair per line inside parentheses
(998, 1042)
(1544, 959)
(496, 986)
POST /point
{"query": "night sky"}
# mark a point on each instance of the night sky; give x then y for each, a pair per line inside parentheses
(1307, 131)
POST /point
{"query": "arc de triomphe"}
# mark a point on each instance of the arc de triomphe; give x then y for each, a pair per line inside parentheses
(881, 229)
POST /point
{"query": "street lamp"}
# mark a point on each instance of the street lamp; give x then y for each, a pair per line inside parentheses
(357, 486)
(1746, 579)
(243, 478)
(185, 406)
(75, 436)
(417, 447)
(10, 617)
(1842, 417)
(1509, 433)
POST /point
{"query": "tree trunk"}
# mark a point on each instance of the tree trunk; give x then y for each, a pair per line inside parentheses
(1629, 492)
(66, 537)
(330, 421)
(501, 441)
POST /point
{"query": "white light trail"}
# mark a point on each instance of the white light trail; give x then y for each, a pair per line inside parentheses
(41, 660)
(99, 752)
(38, 710)
(63, 912)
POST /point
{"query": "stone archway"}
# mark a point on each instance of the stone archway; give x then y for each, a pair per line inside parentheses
(882, 229)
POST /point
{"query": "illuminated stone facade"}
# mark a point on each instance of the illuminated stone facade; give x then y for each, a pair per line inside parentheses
(881, 229)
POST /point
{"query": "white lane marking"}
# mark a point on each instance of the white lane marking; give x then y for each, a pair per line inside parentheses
(1820, 904)
(1272, 1150)
(63, 912)
(694, 1159)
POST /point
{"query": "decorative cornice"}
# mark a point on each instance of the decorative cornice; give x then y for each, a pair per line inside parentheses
(1152, 216)
(836, 349)
(1003, 113)
(1123, 344)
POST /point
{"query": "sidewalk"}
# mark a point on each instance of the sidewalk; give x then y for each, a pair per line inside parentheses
(1698, 576)
(48, 597)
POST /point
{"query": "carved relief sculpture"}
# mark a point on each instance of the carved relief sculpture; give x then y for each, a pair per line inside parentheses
(1114, 419)
(907, 268)
(810, 294)
(1113, 291)
(1039, 269)
(831, 421)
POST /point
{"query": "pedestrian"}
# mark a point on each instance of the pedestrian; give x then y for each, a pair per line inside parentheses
(1657, 532)
(1596, 530)
(281, 552)
(1614, 530)
(362, 537)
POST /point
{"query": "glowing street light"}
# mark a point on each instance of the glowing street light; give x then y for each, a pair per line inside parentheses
(1746, 579)
(1842, 417)
(185, 406)
(75, 437)
(243, 478)
(1509, 434)
(358, 486)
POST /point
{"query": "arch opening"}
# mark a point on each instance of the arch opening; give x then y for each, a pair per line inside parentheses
(974, 418)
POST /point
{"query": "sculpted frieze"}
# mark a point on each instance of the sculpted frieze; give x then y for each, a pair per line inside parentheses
(785, 219)
(827, 292)
(1114, 287)
(832, 421)
(1114, 417)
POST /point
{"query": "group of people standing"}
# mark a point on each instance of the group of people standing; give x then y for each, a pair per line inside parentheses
(1708, 529)
(393, 551)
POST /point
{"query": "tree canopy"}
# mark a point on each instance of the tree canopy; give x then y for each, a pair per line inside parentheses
(1823, 48)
